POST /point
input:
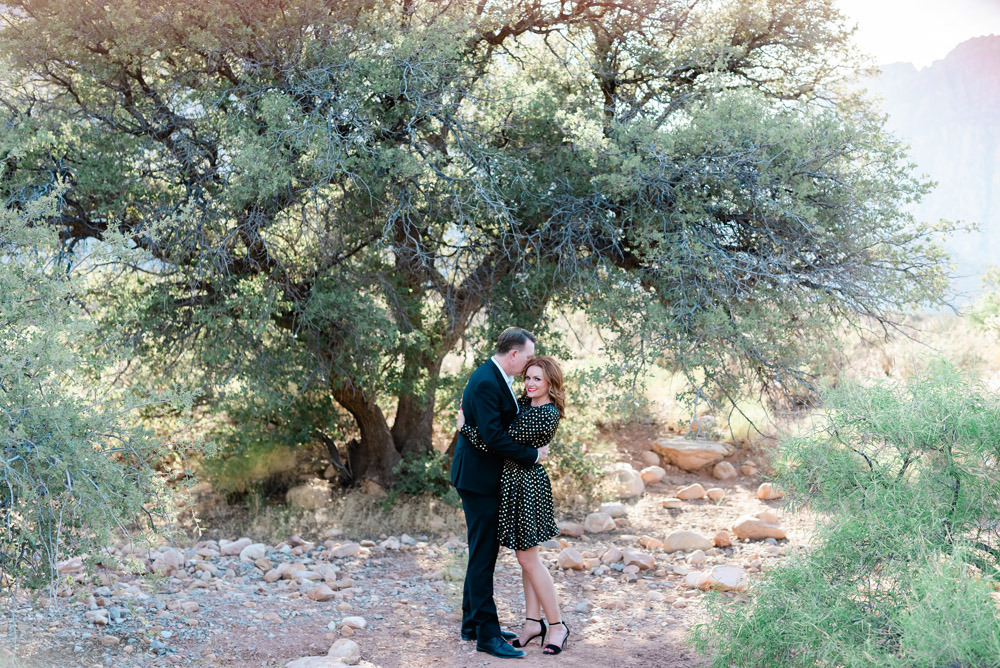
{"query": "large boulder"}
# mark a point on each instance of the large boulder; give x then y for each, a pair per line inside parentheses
(691, 455)
(758, 527)
(686, 540)
(309, 496)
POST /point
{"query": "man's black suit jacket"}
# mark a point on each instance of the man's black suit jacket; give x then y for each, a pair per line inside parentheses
(489, 406)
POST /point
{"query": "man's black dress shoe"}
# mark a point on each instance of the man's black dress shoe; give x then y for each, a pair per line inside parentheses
(471, 635)
(499, 648)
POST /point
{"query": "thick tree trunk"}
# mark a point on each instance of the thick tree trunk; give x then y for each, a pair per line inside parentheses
(374, 455)
(413, 428)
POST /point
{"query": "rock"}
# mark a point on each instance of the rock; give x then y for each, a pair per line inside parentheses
(686, 540)
(370, 487)
(612, 555)
(571, 529)
(726, 578)
(253, 552)
(570, 559)
(649, 458)
(613, 508)
(673, 503)
(628, 481)
(275, 574)
(99, 617)
(758, 527)
(355, 622)
(690, 455)
(74, 565)
(320, 593)
(695, 579)
(650, 543)
(767, 492)
(109, 641)
(748, 470)
(315, 662)
(347, 651)
(309, 496)
(652, 474)
(722, 539)
(231, 548)
(640, 559)
(168, 561)
(724, 471)
(715, 493)
(598, 523)
(390, 543)
(345, 550)
(691, 492)
(697, 558)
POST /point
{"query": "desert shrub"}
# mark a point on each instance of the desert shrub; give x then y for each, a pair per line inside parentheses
(904, 476)
(76, 464)
(424, 473)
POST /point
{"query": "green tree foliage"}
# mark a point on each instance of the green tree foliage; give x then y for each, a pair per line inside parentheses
(330, 193)
(75, 468)
(906, 561)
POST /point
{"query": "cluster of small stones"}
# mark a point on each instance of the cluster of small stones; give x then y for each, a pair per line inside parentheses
(141, 605)
(151, 607)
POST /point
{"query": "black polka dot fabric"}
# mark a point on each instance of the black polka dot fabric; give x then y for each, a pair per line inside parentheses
(527, 516)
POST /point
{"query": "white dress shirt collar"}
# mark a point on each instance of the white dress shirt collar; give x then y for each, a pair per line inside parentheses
(509, 380)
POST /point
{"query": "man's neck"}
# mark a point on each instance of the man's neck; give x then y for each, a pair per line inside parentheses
(499, 363)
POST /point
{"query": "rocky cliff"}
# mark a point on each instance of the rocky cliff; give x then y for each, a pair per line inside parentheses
(949, 114)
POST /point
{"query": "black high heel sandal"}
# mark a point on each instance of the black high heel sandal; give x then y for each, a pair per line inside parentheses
(556, 649)
(516, 642)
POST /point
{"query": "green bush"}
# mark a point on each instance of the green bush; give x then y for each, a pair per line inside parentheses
(76, 465)
(906, 554)
(424, 473)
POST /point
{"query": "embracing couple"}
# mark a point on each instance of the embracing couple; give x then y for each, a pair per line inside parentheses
(506, 493)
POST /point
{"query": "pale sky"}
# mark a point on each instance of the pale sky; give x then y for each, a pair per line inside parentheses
(919, 31)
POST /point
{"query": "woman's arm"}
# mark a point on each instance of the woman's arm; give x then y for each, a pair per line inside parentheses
(537, 427)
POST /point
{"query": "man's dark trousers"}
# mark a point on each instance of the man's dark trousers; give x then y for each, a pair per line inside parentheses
(479, 610)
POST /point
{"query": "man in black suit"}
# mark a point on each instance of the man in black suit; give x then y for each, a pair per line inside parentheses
(489, 405)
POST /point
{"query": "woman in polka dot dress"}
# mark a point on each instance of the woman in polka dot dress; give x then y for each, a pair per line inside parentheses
(527, 517)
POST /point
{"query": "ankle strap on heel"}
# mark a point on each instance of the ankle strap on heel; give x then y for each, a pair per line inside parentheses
(532, 619)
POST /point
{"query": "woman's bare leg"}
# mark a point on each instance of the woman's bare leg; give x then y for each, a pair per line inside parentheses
(535, 573)
(532, 608)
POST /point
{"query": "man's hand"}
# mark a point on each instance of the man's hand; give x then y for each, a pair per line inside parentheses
(543, 452)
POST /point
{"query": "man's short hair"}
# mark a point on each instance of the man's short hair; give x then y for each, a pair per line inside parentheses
(513, 337)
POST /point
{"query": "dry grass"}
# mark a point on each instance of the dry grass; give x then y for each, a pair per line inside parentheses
(359, 515)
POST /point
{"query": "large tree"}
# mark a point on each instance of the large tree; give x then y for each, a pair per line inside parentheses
(330, 192)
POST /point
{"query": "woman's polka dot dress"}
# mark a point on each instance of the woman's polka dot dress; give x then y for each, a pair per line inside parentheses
(527, 517)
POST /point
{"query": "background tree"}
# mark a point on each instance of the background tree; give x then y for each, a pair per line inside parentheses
(329, 193)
